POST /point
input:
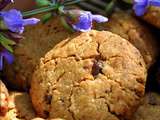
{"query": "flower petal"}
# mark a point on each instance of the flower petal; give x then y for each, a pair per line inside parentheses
(154, 2)
(141, 2)
(30, 21)
(140, 6)
(99, 18)
(14, 21)
(1, 62)
(139, 10)
(84, 24)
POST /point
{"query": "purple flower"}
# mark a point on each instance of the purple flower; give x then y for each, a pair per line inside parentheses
(14, 21)
(140, 6)
(7, 56)
(85, 19)
(4, 3)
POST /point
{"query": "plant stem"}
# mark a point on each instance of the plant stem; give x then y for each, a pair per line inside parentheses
(73, 2)
(110, 6)
(64, 23)
(40, 10)
(128, 1)
(47, 9)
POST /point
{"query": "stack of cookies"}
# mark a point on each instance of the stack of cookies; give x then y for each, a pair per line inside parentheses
(96, 75)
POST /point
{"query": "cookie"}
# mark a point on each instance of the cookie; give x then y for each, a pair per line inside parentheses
(48, 119)
(38, 40)
(20, 107)
(150, 108)
(152, 16)
(95, 75)
(3, 99)
(10, 115)
(135, 32)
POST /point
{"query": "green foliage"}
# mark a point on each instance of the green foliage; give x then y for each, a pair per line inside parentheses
(128, 1)
(41, 3)
(46, 17)
(6, 43)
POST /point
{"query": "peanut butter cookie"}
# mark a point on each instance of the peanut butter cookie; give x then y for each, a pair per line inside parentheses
(4, 98)
(20, 107)
(95, 75)
(134, 31)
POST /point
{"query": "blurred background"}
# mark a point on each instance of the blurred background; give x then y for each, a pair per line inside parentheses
(22, 4)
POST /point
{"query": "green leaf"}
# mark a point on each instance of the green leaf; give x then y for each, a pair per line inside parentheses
(110, 7)
(65, 24)
(41, 3)
(61, 10)
(128, 1)
(6, 40)
(7, 43)
(46, 17)
(40, 10)
(2, 25)
(72, 2)
(9, 48)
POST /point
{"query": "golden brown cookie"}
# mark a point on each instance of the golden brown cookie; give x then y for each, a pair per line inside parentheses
(152, 16)
(90, 76)
(135, 32)
(47, 119)
(20, 107)
(150, 108)
(38, 40)
(4, 98)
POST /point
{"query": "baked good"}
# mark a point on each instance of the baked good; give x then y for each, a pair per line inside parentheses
(10, 115)
(152, 16)
(3, 99)
(149, 109)
(95, 75)
(38, 40)
(47, 119)
(20, 107)
(135, 32)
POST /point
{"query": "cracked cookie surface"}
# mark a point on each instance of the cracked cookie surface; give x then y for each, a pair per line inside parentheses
(4, 95)
(131, 29)
(89, 76)
(20, 107)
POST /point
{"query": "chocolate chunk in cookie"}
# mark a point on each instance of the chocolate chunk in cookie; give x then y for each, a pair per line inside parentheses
(91, 76)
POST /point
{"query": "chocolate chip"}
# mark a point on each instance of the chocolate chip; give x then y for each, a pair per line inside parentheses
(48, 99)
(96, 68)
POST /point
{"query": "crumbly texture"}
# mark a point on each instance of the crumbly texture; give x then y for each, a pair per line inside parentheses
(133, 30)
(90, 76)
(20, 107)
(3, 99)
(47, 119)
(10, 115)
(152, 16)
(39, 39)
(150, 108)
